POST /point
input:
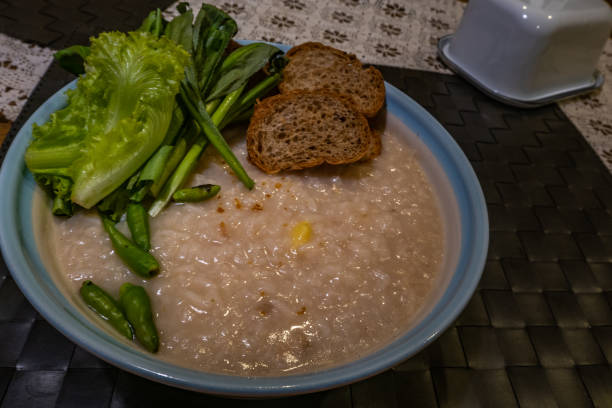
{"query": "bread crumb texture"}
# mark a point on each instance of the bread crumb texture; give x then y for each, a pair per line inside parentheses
(301, 129)
(314, 66)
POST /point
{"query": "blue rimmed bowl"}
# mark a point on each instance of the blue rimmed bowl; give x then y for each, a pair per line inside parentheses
(466, 225)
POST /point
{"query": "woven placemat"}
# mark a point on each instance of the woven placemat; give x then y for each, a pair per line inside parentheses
(538, 331)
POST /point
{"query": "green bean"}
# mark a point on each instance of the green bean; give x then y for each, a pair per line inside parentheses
(194, 194)
(103, 304)
(137, 307)
(138, 260)
(138, 223)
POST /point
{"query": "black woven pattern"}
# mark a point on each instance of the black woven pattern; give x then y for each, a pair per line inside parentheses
(538, 332)
(61, 23)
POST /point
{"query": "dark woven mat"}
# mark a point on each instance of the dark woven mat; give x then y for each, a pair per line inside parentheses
(537, 333)
(62, 23)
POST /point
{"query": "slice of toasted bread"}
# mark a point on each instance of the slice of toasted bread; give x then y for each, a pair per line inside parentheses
(301, 129)
(314, 66)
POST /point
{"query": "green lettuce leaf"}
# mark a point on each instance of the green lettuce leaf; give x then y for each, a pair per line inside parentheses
(116, 118)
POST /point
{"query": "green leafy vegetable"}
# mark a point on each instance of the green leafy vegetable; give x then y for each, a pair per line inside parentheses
(114, 205)
(150, 103)
(59, 188)
(239, 66)
(116, 118)
(72, 59)
(213, 30)
(153, 24)
(180, 30)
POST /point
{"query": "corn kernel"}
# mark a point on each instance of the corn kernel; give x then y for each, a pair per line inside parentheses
(300, 234)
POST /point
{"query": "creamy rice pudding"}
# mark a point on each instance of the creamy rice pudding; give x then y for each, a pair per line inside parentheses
(237, 295)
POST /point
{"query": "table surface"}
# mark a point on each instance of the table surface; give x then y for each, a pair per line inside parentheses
(401, 33)
(537, 332)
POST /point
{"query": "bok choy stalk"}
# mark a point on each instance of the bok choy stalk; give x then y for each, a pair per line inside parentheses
(193, 155)
(239, 66)
(206, 41)
(114, 205)
(215, 92)
(226, 84)
(148, 106)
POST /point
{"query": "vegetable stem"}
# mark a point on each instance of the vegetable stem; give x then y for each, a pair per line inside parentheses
(52, 157)
(198, 111)
(150, 173)
(248, 100)
(258, 91)
(178, 152)
(212, 106)
(228, 102)
(179, 176)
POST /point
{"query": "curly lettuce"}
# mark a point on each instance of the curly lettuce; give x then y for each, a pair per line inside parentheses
(116, 118)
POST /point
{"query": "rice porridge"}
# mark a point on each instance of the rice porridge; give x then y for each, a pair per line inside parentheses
(236, 295)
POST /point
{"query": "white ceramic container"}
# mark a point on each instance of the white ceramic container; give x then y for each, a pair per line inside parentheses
(530, 52)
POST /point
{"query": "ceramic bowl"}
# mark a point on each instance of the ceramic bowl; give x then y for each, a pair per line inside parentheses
(466, 223)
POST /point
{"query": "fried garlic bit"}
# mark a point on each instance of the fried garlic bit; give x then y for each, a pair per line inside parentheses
(300, 234)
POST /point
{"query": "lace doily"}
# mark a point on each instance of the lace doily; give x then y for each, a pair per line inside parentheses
(402, 34)
(592, 113)
(21, 67)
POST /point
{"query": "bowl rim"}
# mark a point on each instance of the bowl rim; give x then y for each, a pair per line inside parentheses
(15, 221)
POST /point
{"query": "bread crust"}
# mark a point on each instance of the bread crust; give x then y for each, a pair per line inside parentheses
(266, 108)
(375, 146)
(372, 78)
(310, 45)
